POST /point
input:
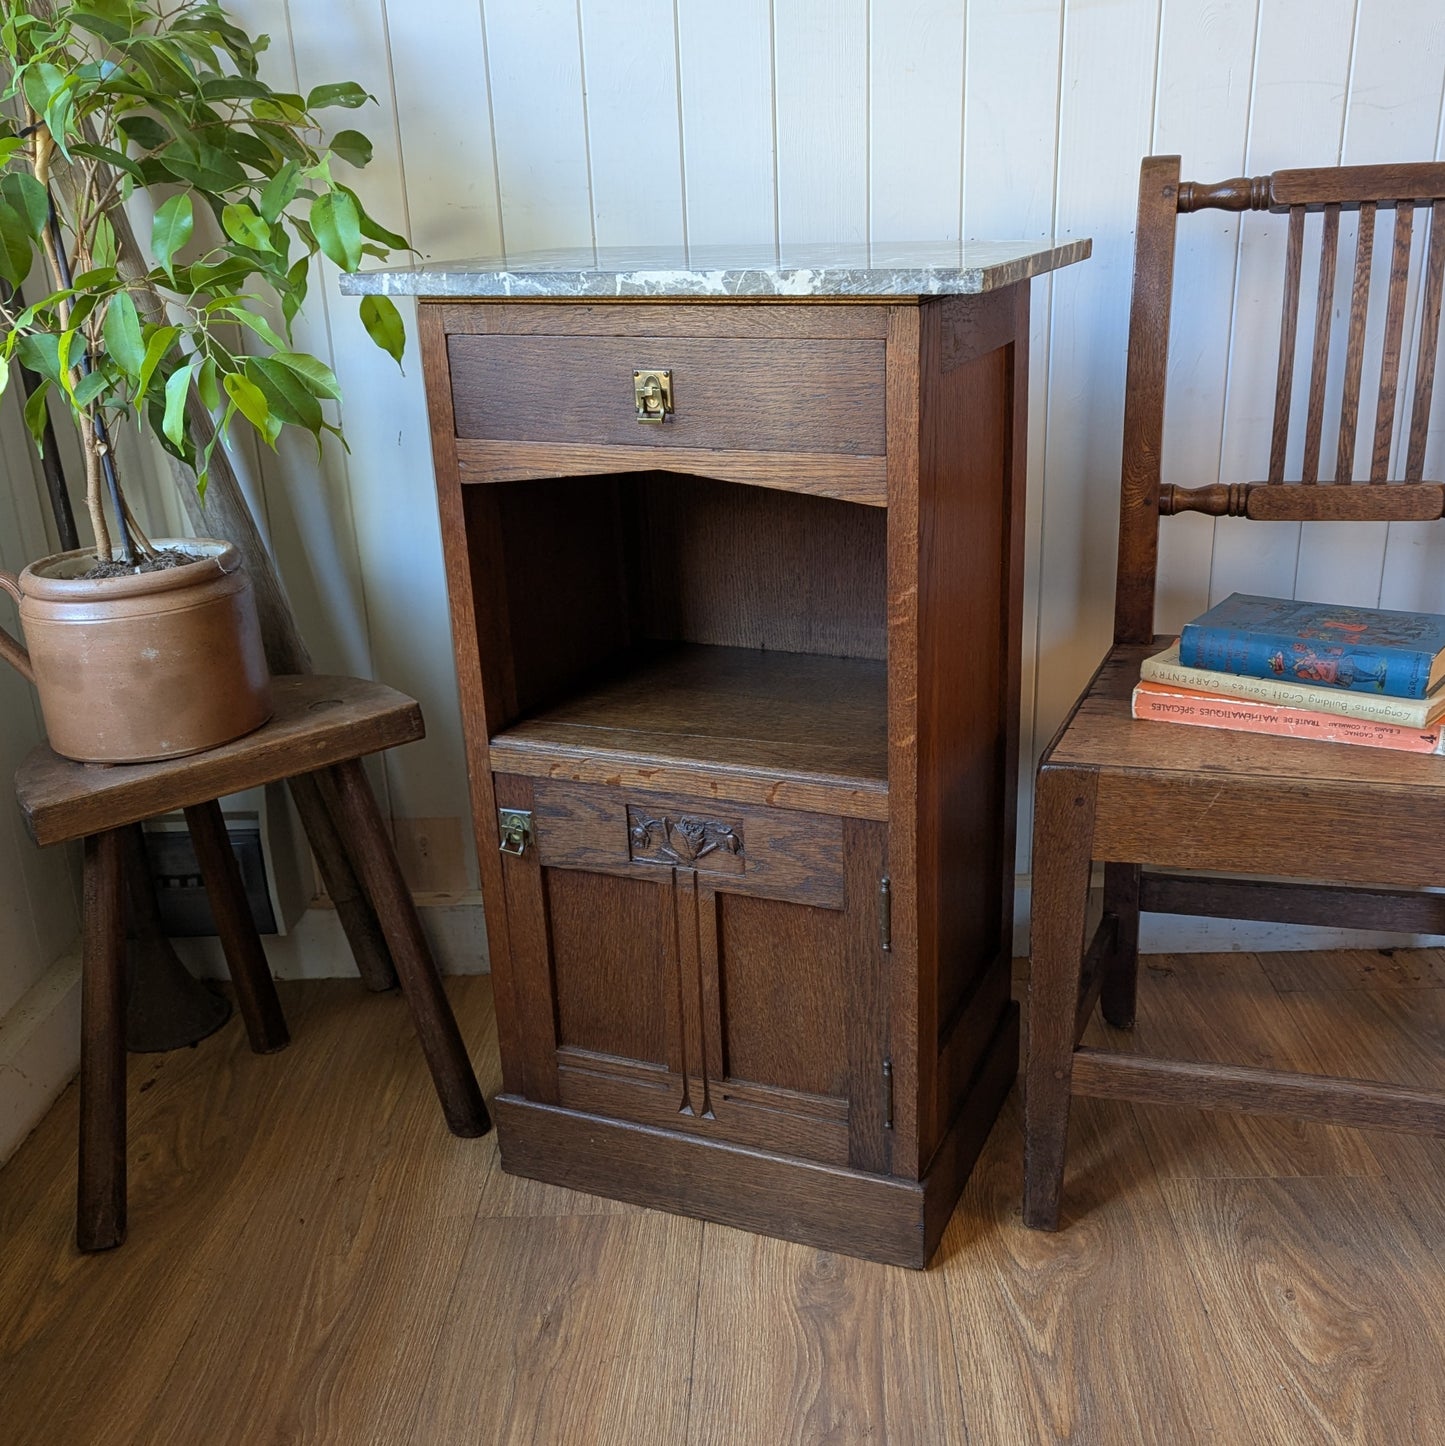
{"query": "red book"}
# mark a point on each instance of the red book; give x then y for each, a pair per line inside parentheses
(1168, 704)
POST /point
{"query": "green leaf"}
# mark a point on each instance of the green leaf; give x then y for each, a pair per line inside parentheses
(343, 93)
(352, 147)
(233, 87)
(280, 139)
(336, 220)
(171, 229)
(383, 325)
(40, 83)
(63, 361)
(251, 403)
(40, 352)
(207, 386)
(294, 293)
(27, 196)
(102, 245)
(37, 415)
(279, 191)
(203, 166)
(122, 335)
(319, 379)
(288, 110)
(144, 132)
(177, 385)
(289, 401)
(159, 342)
(89, 387)
(373, 230)
(250, 319)
(16, 251)
(245, 227)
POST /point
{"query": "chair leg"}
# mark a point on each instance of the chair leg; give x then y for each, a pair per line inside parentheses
(1121, 968)
(436, 1026)
(245, 955)
(1063, 838)
(100, 1195)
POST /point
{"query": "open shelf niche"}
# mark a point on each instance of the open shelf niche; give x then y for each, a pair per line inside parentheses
(722, 632)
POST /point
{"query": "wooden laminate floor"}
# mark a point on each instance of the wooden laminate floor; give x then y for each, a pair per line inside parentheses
(312, 1258)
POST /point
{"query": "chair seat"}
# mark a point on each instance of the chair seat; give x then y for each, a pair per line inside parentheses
(1101, 734)
(319, 721)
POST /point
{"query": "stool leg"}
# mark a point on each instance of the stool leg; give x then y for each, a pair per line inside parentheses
(100, 1196)
(363, 932)
(436, 1026)
(245, 956)
(1063, 839)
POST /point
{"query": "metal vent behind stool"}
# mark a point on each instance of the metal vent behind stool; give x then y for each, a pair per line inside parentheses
(180, 892)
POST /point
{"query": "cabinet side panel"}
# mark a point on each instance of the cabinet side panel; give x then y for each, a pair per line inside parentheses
(471, 543)
(967, 717)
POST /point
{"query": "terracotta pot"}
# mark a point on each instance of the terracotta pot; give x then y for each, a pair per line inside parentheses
(146, 666)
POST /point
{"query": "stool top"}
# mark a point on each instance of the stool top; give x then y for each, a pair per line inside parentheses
(318, 721)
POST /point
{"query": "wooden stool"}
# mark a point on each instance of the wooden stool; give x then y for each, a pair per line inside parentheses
(321, 729)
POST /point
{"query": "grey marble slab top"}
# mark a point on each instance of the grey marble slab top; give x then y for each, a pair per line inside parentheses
(923, 269)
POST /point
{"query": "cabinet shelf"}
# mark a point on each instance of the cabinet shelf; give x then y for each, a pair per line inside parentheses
(792, 729)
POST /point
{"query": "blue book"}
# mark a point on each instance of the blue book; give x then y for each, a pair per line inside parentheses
(1366, 650)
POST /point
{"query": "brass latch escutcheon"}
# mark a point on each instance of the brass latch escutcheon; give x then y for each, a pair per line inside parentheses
(515, 825)
(652, 391)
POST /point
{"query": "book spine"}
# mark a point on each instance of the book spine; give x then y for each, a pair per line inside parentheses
(1406, 672)
(1372, 707)
(1242, 715)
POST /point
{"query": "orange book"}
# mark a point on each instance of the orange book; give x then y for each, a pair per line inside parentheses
(1168, 704)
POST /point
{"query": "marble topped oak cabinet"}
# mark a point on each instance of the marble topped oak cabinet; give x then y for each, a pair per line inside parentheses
(735, 560)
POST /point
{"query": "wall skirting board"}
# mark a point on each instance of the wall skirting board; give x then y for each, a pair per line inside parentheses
(39, 1049)
(316, 947)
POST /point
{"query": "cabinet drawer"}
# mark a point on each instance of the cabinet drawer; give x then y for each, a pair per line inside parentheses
(759, 394)
(767, 852)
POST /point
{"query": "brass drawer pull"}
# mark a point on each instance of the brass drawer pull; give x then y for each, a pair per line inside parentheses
(652, 391)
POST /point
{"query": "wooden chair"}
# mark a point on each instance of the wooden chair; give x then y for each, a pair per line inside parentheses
(1133, 793)
(321, 729)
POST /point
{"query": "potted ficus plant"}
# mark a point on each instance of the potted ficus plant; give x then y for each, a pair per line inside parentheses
(146, 648)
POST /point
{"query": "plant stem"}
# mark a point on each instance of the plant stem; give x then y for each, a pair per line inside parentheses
(98, 442)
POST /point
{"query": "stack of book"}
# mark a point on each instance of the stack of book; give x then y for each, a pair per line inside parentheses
(1304, 670)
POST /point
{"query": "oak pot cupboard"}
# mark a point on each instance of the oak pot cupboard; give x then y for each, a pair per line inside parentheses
(735, 589)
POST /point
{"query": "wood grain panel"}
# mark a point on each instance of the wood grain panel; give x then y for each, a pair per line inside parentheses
(611, 975)
(318, 721)
(830, 1349)
(821, 474)
(783, 993)
(784, 854)
(545, 1287)
(729, 565)
(771, 395)
(715, 718)
(1048, 1327)
(1321, 1348)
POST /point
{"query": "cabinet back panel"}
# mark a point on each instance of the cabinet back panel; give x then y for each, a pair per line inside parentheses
(752, 567)
(608, 938)
(783, 990)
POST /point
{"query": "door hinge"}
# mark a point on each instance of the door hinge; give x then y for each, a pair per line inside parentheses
(887, 1094)
(885, 914)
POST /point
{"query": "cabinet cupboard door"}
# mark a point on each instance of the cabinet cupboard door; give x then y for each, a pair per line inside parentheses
(701, 967)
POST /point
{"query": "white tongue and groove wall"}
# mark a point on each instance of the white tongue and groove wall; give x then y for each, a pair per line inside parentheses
(582, 122)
